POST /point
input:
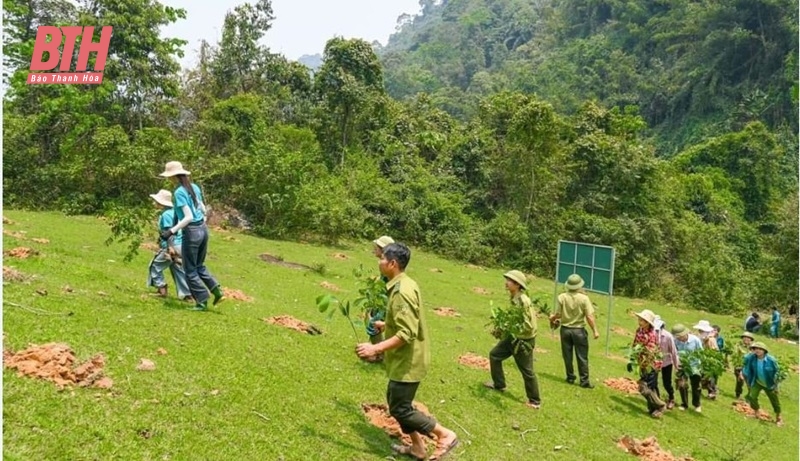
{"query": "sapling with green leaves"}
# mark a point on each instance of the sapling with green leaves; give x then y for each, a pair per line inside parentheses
(508, 322)
(372, 299)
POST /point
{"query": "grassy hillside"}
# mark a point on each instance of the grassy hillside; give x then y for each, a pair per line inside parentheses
(232, 386)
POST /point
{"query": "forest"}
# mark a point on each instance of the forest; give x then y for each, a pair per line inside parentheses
(484, 130)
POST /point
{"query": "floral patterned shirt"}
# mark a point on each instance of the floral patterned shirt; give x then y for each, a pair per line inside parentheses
(647, 338)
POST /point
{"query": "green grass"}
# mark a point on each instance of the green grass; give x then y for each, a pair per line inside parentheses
(310, 387)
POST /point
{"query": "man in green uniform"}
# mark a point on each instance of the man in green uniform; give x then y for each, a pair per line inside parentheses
(574, 311)
(407, 356)
(510, 346)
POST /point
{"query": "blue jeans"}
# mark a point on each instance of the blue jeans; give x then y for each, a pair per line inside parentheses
(155, 276)
(195, 245)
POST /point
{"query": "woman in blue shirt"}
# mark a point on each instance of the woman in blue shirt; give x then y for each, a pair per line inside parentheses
(775, 327)
(190, 216)
(760, 371)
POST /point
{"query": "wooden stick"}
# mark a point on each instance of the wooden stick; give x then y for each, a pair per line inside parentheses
(262, 416)
(459, 425)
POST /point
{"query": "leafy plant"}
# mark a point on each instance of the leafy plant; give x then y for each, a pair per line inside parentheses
(645, 358)
(508, 322)
(327, 301)
(129, 225)
(707, 362)
(372, 299)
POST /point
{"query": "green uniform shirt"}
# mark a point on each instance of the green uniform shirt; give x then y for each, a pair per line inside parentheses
(573, 308)
(523, 302)
(406, 320)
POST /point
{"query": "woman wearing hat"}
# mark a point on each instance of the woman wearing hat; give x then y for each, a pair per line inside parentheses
(686, 343)
(739, 352)
(670, 362)
(707, 335)
(508, 346)
(648, 362)
(169, 253)
(573, 312)
(375, 317)
(190, 212)
(760, 370)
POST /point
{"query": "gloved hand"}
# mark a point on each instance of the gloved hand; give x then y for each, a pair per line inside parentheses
(629, 367)
(166, 234)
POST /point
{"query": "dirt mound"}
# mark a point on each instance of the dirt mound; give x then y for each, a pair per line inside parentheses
(743, 407)
(56, 362)
(648, 449)
(539, 350)
(626, 385)
(149, 246)
(21, 253)
(474, 361)
(795, 368)
(7, 221)
(330, 286)
(278, 261)
(378, 415)
(287, 321)
(438, 271)
(473, 266)
(16, 234)
(236, 295)
(340, 256)
(12, 275)
(622, 331)
(40, 240)
(446, 312)
(481, 291)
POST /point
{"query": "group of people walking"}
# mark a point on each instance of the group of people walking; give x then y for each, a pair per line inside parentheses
(656, 350)
(183, 242)
(399, 335)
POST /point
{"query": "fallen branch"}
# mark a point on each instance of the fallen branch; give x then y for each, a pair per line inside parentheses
(36, 311)
(262, 416)
(459, 425)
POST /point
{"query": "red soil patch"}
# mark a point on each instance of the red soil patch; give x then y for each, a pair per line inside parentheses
(795, 368)
(446, 312)
(378, 415)
(161, 351)
(56, 362)
(236, 295)
(330, 286)
(16, 234)
(626, 385)
(287, 321)
(39, 240)
(146, 365)
(150, 246)
(647, 449)
(12, 275)
(21, 252)
(743, 407)
(474, 361)
(340, 256)
(481, 291)
(433, 269)
(621, 331)
(7, 221)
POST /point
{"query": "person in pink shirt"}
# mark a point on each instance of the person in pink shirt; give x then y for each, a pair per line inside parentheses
(669, 360)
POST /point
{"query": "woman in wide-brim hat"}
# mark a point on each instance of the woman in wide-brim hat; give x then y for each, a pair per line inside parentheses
(169, 252)
(190, 216)
(708, 337)
(648, 362)
(740, 350)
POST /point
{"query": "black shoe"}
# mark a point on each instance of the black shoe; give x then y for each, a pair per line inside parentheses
(587, 385)
(570, 381)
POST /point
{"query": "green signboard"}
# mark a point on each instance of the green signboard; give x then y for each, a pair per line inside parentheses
(594, 263)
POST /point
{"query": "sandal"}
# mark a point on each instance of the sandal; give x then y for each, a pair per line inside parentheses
(406, 450)
(442, 451)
